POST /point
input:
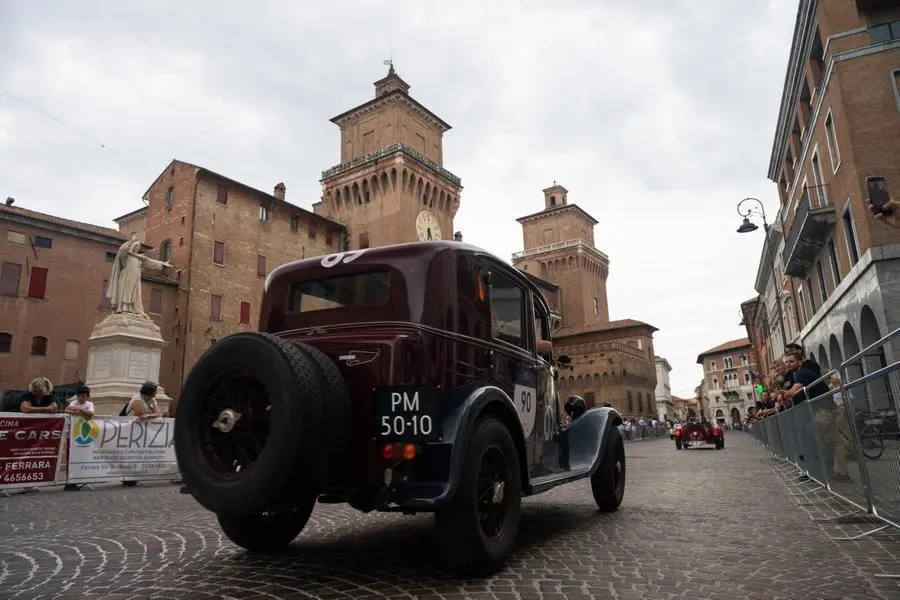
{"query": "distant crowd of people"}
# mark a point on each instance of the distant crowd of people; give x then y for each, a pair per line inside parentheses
(643, 428)
(784, 385)
(39, 398)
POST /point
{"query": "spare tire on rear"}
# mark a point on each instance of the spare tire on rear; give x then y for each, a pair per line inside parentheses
(249, 426)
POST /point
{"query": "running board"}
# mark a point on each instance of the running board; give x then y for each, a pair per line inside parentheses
(548, 482)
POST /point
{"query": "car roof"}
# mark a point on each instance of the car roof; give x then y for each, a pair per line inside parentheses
(426, 251)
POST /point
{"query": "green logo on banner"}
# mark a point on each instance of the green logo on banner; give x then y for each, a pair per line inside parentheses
(85, 432)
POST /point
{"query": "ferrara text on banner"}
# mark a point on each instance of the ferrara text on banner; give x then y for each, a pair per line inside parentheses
(31, 450)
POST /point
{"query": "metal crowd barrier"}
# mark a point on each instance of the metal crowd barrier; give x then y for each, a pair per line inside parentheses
(848, 440)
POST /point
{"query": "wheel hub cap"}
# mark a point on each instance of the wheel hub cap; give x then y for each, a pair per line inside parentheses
(227, 420)
(499, 487)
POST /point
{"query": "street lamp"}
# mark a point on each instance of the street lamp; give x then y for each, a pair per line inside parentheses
(747, 226)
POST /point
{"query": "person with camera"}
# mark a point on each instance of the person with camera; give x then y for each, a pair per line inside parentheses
(889, 214)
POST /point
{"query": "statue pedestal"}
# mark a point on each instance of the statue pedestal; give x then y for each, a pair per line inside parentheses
(123, 352)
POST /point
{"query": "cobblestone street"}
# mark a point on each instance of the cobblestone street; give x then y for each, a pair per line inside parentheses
(694, 524)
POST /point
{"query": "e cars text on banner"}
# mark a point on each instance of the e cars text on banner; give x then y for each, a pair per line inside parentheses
(31, 450)
(113, 448)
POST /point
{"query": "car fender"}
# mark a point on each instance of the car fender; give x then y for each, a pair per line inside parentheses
(588, 434)
(459, 423)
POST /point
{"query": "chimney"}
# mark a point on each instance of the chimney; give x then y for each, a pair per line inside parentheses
(10, 200)
(279, 191)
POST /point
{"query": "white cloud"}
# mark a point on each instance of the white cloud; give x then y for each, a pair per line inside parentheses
(657, 115)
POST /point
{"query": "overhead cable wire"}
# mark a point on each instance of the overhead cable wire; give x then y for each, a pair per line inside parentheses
(100, 145)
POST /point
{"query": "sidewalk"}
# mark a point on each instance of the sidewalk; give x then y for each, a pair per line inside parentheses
(875, 555)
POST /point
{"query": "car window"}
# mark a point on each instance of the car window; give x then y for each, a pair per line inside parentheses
(342, 291)
(541, 326)
(507, 309)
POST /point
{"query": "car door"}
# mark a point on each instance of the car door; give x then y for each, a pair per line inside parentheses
(547, 417)
(512, 355)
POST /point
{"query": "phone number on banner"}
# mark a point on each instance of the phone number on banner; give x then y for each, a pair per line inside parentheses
(17, 470)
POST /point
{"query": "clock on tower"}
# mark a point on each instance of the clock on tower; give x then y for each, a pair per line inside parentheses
(427, 227)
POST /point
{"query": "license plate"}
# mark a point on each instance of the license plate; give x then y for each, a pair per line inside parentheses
(407, 414)
(874, 421)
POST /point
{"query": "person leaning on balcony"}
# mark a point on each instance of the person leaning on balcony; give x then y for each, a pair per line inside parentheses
(892, 206)
(38, 399)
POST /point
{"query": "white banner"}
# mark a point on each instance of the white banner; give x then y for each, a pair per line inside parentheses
(116, 448)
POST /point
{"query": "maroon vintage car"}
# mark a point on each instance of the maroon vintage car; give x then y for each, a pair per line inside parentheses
(410, 378)
(695, 434)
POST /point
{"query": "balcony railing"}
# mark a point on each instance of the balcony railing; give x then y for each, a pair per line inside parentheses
(813, 221)
(558, 246)
(387, 151)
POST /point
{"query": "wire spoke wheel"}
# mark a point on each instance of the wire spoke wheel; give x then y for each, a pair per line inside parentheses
(234, 423)
(492, 492)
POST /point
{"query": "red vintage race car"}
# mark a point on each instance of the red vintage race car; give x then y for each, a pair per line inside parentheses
(694, 435)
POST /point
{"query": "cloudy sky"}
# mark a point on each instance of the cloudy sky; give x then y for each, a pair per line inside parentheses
(657, 115)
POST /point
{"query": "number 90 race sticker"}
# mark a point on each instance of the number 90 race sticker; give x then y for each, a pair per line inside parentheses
(525, 400)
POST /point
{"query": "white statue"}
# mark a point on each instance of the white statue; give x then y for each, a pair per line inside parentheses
(124, 288)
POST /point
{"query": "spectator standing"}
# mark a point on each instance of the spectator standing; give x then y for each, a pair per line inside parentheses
(830, 421)
(38, 398)
(802, 378)
(143, 405)
(81, 405)
(807, 361)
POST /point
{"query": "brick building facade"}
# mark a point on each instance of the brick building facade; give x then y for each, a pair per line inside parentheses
(828, 272)
(726, 391)
(613, 361)
(222, 238)
(53, 276)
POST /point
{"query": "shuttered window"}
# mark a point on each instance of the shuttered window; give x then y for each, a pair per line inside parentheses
(215, 308)
(37, 283)
(10, 273)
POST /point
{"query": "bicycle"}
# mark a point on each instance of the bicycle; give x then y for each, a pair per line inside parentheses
(869, 435)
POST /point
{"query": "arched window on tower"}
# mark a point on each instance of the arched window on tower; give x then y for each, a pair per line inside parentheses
(552, 200)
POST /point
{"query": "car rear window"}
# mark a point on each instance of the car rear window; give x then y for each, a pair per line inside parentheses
(342, 291)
